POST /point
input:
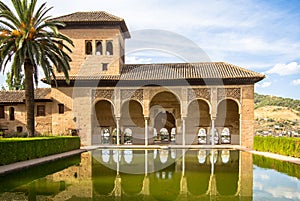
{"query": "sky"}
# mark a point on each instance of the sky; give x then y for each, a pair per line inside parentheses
(260, 35)
(266, 185)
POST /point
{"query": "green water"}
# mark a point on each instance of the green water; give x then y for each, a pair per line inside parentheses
(156, 175)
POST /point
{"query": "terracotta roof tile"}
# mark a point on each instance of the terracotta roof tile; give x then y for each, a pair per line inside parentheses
(170, 71)
(98, 17)
(19, 96)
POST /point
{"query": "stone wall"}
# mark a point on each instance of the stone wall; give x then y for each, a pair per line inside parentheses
(92, 64)
(43, 124)
(247, 116)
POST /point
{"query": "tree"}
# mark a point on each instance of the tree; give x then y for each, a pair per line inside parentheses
(14, 84)
(30, 40)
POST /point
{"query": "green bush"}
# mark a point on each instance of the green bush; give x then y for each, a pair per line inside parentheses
(279, 145)
(20, 149)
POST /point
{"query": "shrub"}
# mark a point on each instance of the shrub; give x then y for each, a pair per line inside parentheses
(20, 149)
(279, 145)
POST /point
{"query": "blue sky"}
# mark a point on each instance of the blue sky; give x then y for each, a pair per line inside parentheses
(260, 35)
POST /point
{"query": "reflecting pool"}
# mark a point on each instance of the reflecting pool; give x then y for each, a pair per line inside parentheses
(163, 174)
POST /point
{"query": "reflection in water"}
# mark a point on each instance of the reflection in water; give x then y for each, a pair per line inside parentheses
(163, 155)
(105, 155)
(201, 156)
(170, 175)
(128, 155)
(225, 156)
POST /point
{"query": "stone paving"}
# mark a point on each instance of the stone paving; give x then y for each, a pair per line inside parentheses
(4, 169)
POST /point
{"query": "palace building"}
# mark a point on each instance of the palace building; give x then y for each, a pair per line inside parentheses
(111, 102)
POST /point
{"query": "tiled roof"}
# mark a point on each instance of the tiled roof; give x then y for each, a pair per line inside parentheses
(88, 17)
(174, 71)
(19, 96)
(204, 70)
(96, 17)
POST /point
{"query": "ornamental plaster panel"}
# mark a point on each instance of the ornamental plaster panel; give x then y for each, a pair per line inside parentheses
(196, 93)
(234, 93)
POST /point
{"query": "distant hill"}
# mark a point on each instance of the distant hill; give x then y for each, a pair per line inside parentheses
(275, 112)
(267, 100)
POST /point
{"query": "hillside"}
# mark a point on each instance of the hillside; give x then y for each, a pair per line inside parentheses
(267, 100)
(276, 114)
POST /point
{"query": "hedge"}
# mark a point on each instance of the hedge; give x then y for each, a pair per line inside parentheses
(10, 181)
(20, 149)
(280, 145)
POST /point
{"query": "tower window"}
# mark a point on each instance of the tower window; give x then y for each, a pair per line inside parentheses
(19, 129)
(11, 113)
(40, 110)
(88, 47)
(99, 48)
(104, 67)
(109, 48)
(2, 114)
(61, 108)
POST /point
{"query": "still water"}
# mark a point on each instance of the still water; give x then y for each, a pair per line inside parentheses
(170, 174)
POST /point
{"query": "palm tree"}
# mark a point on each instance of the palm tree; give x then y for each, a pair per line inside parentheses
(30, 40)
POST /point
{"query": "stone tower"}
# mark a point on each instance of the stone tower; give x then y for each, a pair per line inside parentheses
(99, 42)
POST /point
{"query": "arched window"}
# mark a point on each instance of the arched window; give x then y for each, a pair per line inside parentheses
(88, 47)
(164, 134)
(105, 136)
(127, 136)
(173, 133)
(19, 129)
(11, 113)
(2, 112)
(99, 48)
(225, 136)
(109, 48)
(202, 136)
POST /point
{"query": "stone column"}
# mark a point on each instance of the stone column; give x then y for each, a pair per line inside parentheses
(212, 133)
(146, 131)
(183, 130)
(118, 130)
(183, 180)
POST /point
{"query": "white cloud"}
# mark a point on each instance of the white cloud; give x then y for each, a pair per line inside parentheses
(264, 84)
(285, 69)
(295, 82)
(137, 60)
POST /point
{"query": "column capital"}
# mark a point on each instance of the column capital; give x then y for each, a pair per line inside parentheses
(146, 117)
(117, 118)
(183, 117)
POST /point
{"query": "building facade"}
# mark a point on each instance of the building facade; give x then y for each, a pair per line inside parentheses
(110, 102)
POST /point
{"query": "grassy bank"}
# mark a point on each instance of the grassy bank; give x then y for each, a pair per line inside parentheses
(279, 145)
(20, 149)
